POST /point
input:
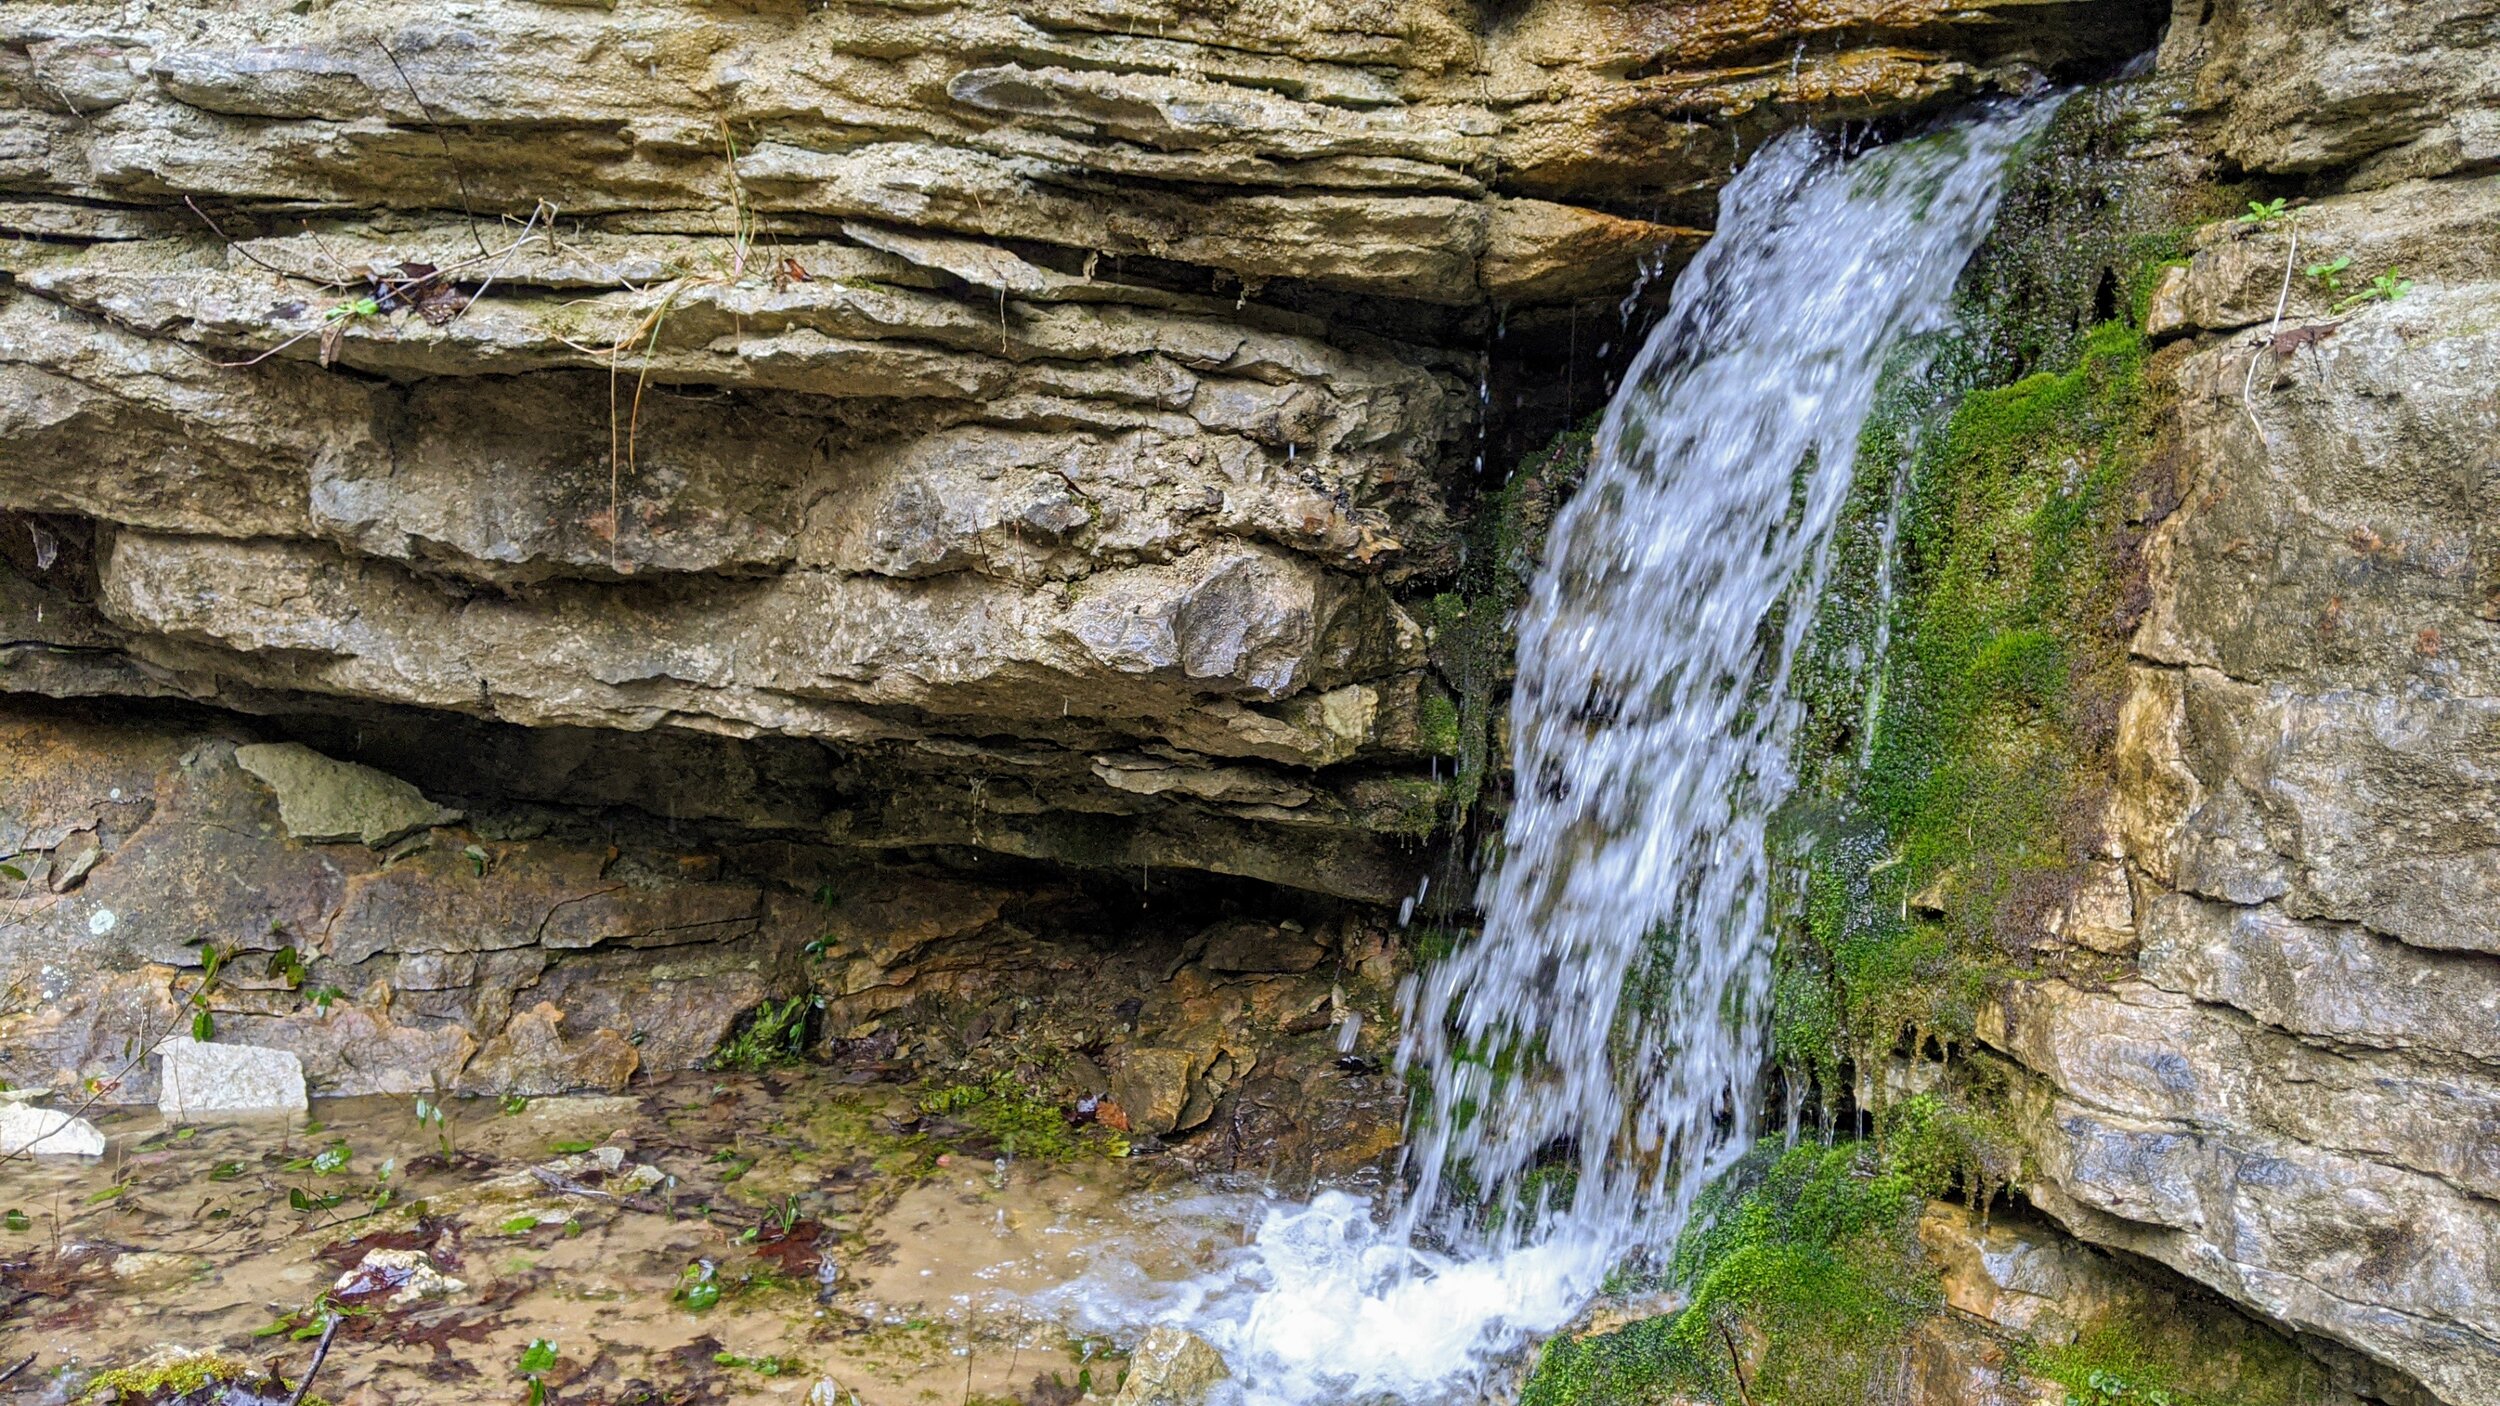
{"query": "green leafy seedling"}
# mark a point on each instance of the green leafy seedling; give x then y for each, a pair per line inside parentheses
(538, 1359)
(322, 997)
(329, 1161)
(15, 1219)
(2386, 288)
(699, 1287)
(225, 1171)
(2264, 214)
(2329, 276)
(287, 965)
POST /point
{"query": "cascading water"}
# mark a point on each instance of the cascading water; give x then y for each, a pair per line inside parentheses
(1613, 1010)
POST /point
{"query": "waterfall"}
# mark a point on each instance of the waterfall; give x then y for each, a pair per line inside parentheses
(1612, 1014)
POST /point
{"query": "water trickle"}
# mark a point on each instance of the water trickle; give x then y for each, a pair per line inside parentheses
(1613, 1012)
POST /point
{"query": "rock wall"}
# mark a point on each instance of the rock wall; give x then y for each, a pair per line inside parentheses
(2290, 1088)
(535, 530)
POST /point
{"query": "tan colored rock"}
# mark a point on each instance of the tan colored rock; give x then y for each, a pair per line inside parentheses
(533, 1056)
(1154, 1084)
(1171, 1367)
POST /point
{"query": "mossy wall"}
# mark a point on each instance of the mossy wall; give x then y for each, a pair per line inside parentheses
(1961, 693)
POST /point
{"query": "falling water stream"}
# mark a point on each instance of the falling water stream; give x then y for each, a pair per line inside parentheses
(1613, 1011)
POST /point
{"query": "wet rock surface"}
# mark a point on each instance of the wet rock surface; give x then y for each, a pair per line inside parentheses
(2288, 1094)
(710, 1238)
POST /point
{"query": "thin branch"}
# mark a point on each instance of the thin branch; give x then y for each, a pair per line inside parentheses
(329, 1330)
(1736, 1364)
(543, 208)
(236, 245)
(460, 177)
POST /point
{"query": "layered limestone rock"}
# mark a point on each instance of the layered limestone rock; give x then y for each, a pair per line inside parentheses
(2292, 1092)
(617, 471)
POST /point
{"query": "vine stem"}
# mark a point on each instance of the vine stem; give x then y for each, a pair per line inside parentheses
(2282, 300)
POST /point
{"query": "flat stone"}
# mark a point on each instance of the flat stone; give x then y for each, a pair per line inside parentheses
(46, 1132)
(322, 800)
(1246, 945)
(408, 1276)
(197, 1078)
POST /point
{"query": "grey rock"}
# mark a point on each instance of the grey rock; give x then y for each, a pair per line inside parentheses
(197, 1079)
(321, 799)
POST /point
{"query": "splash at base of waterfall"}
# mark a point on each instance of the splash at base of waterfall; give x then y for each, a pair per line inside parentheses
(1326, 1303)
(1614, 1012)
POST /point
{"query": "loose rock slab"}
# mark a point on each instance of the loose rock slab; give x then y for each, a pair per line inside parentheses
(46, 1132)
(321, 800)
(246, 1079)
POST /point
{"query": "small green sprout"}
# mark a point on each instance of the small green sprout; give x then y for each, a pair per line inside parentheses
(538, 1359)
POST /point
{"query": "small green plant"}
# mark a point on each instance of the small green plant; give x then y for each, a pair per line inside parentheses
(538, 1359)
(329, 1161)
(432, 1114)
(212, 963)
(776, 1034)
(2106, 1388)
(2386, 288)
(2265, 214)
(287, 965)
(322, 997)
(698, 1288)
(14, 1219)
(513, 1103)
(761, 1366)
(2329, 275)
(225, 1171)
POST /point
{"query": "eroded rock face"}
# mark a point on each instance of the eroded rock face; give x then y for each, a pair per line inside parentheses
(621, 471)
(2294, 1095)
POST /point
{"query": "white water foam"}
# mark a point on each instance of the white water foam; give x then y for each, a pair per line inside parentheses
(1612, 1014)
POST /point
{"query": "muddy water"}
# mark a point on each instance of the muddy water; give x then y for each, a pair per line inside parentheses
(713, 1239)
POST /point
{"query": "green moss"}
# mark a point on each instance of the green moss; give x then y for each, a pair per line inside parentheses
(2166, 1350)
(164, 1382)
(1472, 640)
(1022, 1122)
(1988, 756)
(1439, 722)
(1803, 1273)
(774, 1033)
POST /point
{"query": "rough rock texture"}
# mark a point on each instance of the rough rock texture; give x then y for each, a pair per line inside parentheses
(616, 474)
(2292, 1094)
